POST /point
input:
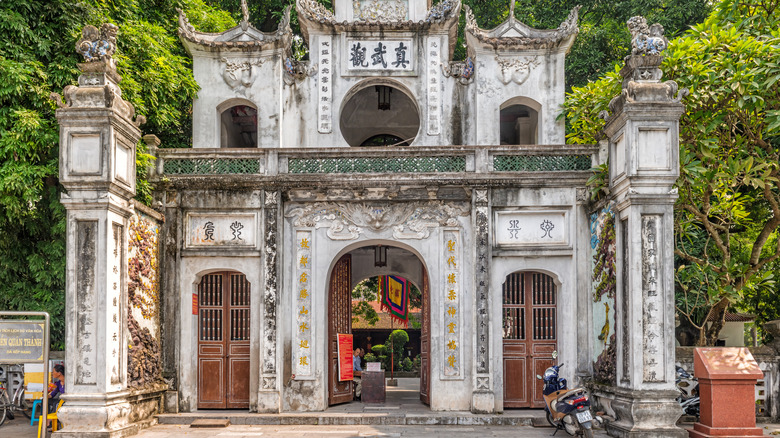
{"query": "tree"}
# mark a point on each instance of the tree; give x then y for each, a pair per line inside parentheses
(728, 212)
(37, 57)
(367, 291)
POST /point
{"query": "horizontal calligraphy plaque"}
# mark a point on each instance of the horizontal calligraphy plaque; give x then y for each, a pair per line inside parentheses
(221, 229)
(397, 55)
(532, 228)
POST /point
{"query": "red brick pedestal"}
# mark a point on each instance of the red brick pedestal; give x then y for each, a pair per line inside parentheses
(727, 381)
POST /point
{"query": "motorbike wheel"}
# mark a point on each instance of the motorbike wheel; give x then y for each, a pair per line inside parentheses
(587, 433)
(549, 417)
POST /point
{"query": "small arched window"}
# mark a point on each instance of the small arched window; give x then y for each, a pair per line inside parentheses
(238, 127)
(519, 125)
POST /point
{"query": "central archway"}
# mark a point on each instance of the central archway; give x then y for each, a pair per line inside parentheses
(353, 266)
(379, 112)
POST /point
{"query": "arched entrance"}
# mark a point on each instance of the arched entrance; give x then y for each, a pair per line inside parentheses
(358, 264)
(529, 336)
(223, 341)
(519, 121)
(379, 113)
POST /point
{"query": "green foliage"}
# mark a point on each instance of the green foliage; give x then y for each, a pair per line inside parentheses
(397, 340)
(728, 212)
(603, 39)
(37, 57)
(379, 349)
(367, 291)
(406, 364)
(370, 357)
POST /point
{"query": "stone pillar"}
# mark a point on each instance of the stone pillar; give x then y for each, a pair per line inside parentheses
(97, 167)
(643, 134)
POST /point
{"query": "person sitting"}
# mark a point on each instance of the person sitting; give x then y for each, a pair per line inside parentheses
(56, 388)
(357, 371)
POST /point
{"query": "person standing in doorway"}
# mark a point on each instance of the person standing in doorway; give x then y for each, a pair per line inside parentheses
(357, 372)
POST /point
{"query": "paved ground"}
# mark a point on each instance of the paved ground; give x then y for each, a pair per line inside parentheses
(401, 400)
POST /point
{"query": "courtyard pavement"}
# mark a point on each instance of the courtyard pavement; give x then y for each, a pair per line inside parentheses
(402, 401)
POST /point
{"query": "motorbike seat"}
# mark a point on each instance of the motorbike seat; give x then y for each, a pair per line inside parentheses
(569, 392)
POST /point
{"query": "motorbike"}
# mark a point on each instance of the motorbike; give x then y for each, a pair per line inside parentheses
(567, 409)
(689, 392)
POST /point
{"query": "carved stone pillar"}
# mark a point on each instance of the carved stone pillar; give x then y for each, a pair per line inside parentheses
(97, 167)
(482, 398)
(268, 400)
(643, 134)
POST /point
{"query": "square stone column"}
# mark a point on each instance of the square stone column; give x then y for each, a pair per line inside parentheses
(643, 134)
(97, 168)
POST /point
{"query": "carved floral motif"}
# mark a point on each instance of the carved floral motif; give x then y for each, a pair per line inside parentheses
(516, 70)
(346, 221)
(239, 74)
(380, 10)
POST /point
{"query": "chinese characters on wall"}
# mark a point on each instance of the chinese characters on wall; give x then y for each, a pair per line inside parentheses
(86, 247)
(302, 347)
(324, 111)
(652, 315)
(221, 229)
(434, 86)
(114, 295)
(452, 291)
(531, 228)
(482, 278)
(378, 55)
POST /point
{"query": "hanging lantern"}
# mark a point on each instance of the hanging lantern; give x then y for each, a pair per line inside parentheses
(383, 97)
(380, 256)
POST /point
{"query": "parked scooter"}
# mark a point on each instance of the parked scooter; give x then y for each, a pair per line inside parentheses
(689, 392)
(567, 409)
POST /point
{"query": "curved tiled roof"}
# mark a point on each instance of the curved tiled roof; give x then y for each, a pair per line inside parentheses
(312, 12)
(523, 36)
(243, 37)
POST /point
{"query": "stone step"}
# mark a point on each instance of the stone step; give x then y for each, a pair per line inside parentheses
(366, 418)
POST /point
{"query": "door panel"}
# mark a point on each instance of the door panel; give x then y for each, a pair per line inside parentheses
(425, 343)
(530, 336)
(223, 341)
(339, 321)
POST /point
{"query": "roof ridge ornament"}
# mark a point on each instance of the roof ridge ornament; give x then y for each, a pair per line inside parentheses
(529, 38)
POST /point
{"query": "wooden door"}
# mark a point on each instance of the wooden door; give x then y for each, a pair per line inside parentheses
(223, 341)
(425, 343)
(339, 321)
(530, 337)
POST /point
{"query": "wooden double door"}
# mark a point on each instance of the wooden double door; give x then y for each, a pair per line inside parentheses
(340, 321)
(223, 341)
(529, 336)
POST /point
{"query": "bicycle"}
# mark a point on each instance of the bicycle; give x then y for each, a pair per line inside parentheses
(17, 403)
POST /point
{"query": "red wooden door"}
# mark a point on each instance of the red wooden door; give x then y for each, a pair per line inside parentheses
(339, 321)
(223, 341)
(529, 332)
(425, 343)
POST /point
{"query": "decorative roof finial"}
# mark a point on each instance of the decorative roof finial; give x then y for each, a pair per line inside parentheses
(646, 40)
(512, 9)
(97, 45)
(245, 10)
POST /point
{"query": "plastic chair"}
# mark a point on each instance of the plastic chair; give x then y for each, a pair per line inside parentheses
(52, 417)
(33, 417)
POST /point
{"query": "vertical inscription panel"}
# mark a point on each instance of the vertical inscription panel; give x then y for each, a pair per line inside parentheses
(434, 85)
(115, 286)
(302, 341)
(652, 310)
(482, 278)
(271, 280)
(325, 92)
(86, 302)
(451, 312)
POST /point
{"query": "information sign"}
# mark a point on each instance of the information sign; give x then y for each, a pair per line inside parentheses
(21, 341)
(345, 357)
